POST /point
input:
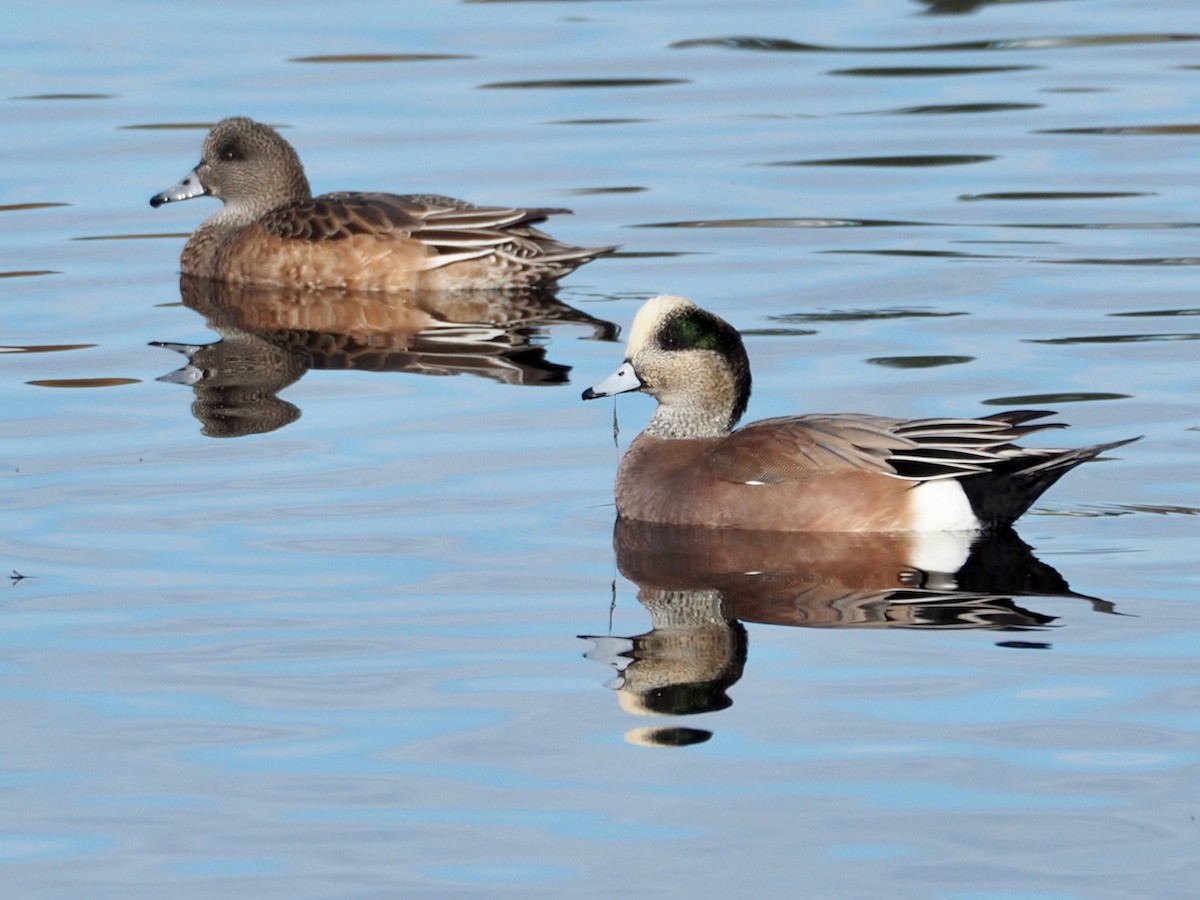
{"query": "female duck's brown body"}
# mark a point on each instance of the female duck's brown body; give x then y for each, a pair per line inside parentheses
(273, 232)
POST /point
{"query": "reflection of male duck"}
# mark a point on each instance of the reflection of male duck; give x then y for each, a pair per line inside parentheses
(271, 336)
(700, 584)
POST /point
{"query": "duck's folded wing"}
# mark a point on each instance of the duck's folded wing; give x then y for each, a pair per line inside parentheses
(453, 230)
(333, 217)
(794, 448)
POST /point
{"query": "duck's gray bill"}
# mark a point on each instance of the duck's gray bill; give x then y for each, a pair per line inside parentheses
(620, 381)
(187, 189)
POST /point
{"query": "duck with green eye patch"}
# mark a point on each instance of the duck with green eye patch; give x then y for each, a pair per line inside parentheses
(831, 472)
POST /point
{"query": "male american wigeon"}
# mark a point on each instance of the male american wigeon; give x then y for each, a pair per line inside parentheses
(828, 472)
(272, 231)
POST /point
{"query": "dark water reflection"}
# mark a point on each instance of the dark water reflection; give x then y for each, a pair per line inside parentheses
(699, 585)
(921, 160)
(1032, 43)
(271, 337)
(941, 109)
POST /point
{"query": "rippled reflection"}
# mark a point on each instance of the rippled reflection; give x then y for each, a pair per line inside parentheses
(700, 584)
(271, 337)
(922, 160)
(43, 348)
(21, 207)
(584, 83)
(941, 109)
(782, 222)
(926, 361)
(1053, 195)
(784, 45)
(1127, 129)
(379, 57)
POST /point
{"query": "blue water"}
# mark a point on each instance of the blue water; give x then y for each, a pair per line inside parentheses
(318, 634)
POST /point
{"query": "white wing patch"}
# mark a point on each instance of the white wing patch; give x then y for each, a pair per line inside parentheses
(941, 506)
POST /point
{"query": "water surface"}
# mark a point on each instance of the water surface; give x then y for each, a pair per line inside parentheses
(295, 609)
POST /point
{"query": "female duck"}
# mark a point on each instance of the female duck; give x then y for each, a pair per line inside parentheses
(273, 232)
(835, 472)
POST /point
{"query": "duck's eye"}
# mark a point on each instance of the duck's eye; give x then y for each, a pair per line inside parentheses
(229, 153)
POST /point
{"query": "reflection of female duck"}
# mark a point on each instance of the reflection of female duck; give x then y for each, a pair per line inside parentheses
(699, 584)
(272, 336)
(375, 318)
(236, 381)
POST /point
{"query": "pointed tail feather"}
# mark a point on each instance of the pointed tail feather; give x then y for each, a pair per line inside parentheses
(1000, 496)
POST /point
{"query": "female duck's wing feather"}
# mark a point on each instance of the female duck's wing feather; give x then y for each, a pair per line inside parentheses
(454, 229)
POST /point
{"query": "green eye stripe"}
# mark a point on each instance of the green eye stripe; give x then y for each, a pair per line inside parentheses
(690, 332)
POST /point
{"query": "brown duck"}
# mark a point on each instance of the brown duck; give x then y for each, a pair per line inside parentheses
(273, 232)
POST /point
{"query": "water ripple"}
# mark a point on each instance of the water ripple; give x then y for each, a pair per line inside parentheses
(65, 97)
(1125, 129)
(542, 83)
(44, 348)
(1117, 338)
(1053, 398)
(614, 189)
(19, 207)
(177, 126)
(939, 254)
(1056, 195)
(928, 71)
(919, 362)
(83, 382)
(151, 235)
(612, 121)
(1133, 261)
(863, 315)
(1158, 312)
(942, 109)
(1101, 226)
(1153, 509)
(783, 222)
(379, 57)
(784, 45)
(920, 160)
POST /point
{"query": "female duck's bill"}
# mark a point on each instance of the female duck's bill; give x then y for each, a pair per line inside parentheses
(828, 472)
(186, 189)
(273, 232)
